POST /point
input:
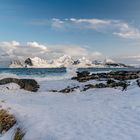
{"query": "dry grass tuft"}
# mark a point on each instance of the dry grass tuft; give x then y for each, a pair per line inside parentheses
(7, 121)
(18, 134)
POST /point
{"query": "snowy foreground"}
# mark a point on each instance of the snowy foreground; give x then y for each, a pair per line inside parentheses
(97, 114)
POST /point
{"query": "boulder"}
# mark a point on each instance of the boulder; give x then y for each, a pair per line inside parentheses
(27, 84)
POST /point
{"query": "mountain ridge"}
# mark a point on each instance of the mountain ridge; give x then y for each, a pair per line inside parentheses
(63, 61)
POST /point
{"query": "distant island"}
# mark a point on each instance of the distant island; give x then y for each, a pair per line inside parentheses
(65, 61)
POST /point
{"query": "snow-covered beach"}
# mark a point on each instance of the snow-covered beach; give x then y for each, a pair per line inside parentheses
(69, 70)
(99, 114)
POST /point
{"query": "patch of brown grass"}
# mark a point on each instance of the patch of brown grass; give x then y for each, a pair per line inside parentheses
(7, 121)
(18, 134)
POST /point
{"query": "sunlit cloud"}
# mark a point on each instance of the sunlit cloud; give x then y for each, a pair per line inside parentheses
(16, 50)
(115, 27)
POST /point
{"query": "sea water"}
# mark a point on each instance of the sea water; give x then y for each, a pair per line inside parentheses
(52, 73)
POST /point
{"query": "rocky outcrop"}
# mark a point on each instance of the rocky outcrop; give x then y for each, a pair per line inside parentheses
(118, 75)
(117, 65)
(109, 84)
(27, 84)
(28, 62)
(69, 89)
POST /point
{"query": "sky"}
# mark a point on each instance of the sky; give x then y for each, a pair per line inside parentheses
(90, 28)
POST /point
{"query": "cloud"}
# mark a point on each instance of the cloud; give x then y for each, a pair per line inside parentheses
(128, 59)
(37, 45)
(16, 50)
(6, 48)
(57, 23)
(115, 27)
(76, 51)
(10, 44)
(127, 31)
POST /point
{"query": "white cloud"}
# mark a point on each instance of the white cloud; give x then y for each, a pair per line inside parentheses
(15, 50)
(7, 48)
(127, 31)
(36, 45)
(57, 23)
(115, 27)
(12, 44)
(76, 51)
(128, 59)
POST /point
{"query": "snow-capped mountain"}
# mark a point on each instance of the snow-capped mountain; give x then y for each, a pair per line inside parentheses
(63, 61)
(16, 64)
(83, 62)
(108, 60)
(29, 62)
(35, 62)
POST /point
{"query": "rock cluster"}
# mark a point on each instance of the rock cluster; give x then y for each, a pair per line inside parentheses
(109, 83)
(118, 75)
(113, 80)
(27, 84)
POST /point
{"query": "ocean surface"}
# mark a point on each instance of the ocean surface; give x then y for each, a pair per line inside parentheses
(54, 72)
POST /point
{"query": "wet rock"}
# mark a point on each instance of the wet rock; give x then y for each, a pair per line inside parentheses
(83, 76)
(88, 86)
(69, 89)
(138, 82)
(110, 81)
(27, 84)
(100, 85)
(117, 75)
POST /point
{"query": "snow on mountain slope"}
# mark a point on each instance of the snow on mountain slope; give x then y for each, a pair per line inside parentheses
(99, 114)
(16, 64)
(83, 62)
(38, 62)
(63, 61)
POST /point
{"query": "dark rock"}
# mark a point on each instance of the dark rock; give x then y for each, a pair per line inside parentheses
(27, 84)
(83, 74)
(110, 81)
(69, 89)
(100, 85)
(138, 82)
(89, 86)
(118, 75)
(28, 61)
(76, 62)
